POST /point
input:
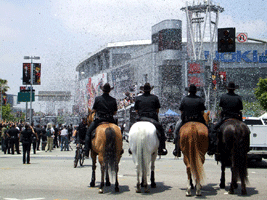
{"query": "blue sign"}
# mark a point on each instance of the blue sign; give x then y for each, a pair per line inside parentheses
(238, 56)
(263, 59)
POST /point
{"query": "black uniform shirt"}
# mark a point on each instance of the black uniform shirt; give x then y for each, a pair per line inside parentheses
(231, 102)
(27, 135)
(13, 132)
(82, 131)
(147, 103)
(192, 106)
(105, 104)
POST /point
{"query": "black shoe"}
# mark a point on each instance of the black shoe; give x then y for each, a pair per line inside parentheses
(129, 151)
(162, 152)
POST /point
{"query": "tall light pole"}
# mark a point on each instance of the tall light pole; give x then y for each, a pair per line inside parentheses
(32, 58)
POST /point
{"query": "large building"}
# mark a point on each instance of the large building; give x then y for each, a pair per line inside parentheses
(163, 61)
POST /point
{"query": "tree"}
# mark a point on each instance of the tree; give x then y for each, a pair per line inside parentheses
(261, 92)
(252, 109)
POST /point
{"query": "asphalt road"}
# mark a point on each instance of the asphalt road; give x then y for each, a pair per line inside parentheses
(51, 176)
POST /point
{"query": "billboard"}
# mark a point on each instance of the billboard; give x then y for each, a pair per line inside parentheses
(89, 89)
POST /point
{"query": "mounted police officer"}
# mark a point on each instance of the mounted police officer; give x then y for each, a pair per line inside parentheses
(147, 108)
(231, 104)
(192, 109)
(105, 107)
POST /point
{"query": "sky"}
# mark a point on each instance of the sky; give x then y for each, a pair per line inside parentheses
(64, 32)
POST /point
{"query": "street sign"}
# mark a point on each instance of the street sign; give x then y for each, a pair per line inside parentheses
(242, 37)
(25, 96)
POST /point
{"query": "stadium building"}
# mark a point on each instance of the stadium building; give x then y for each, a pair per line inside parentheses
(164, 62)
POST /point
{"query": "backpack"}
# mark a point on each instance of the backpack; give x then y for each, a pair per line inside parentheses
(48, 133)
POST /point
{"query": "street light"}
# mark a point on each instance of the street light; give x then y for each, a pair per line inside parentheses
(32, 58)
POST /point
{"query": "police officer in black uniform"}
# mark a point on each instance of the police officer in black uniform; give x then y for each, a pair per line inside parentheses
(105, 107)
(147, 108)
(26, 139)
(192, 109)
(13, 134)
(231, 104)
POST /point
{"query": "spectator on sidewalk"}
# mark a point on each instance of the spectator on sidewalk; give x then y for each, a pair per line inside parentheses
(64, 139)
(50, 137)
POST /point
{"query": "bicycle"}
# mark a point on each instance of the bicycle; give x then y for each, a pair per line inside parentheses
(79, 155)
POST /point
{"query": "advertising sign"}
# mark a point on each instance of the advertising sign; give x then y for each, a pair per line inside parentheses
(196, 75)
(36, 73)
(26, 71)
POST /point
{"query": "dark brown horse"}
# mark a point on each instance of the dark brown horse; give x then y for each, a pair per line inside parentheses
(107, 145)
(234, 140)
(194, 144)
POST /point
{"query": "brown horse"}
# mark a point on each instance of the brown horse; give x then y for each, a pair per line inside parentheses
(194, 144)
(234, 140)
(107, 145)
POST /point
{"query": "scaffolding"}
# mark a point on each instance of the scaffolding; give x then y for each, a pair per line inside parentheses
(202, 25)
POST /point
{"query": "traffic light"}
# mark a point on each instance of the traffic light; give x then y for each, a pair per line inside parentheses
(226, 39)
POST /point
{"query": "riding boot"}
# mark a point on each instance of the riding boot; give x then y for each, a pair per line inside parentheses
(212, 141)
(88, 138)
(177, 151)
(162, 146)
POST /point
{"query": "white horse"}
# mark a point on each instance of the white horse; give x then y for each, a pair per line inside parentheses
(144, 143)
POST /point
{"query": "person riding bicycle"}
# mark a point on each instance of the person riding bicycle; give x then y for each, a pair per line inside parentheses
(192, 109)
(231, 105)
(147, 108)
(105, 107)
(80, 133)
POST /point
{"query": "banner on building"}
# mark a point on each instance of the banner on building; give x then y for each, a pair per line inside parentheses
(196, 73)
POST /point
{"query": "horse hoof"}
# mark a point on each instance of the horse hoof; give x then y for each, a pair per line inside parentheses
(231, 191)
(117, 189)
(100, 191)
(188, 194)
(235, 185)
(92, 184)
(198, 193)
(244, 191)
(153, 185)
(108, 184)
(138, 190)
(222, 186)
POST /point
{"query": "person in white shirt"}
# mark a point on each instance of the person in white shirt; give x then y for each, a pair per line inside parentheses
(64, 139)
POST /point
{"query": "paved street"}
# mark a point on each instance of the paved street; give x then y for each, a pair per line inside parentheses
(51, 176)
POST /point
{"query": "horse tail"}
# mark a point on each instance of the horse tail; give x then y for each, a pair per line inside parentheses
(240, 146)
(142, 155)
(110, 156)
(194, 154)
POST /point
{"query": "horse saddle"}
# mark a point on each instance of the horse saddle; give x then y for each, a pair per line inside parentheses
(93, 132)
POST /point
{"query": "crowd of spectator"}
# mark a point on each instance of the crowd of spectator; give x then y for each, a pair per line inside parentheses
(38, 138)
